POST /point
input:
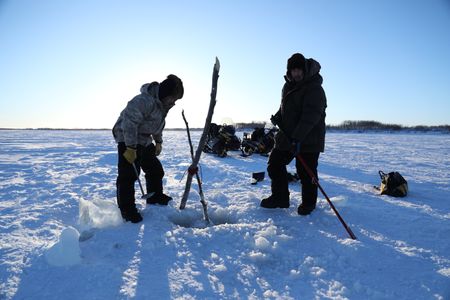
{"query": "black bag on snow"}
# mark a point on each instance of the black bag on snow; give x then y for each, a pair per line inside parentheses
(393, 184)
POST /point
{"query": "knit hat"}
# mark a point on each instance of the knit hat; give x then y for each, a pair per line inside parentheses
(297, 60)
(172, 86)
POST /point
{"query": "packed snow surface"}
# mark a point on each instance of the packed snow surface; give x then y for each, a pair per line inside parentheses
(62, 237)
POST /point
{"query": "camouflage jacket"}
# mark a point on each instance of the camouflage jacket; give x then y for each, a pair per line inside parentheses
(143, 119)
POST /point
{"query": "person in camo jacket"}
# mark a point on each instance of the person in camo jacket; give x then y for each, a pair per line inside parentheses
(138, 133)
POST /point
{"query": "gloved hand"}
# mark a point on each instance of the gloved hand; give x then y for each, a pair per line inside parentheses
(296, 147)
(130, 155)
(158, 149)
(276, 119)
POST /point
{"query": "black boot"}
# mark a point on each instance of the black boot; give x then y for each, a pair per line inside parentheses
(275, 202)
(159, 198)
(304, 210)
(131, 215)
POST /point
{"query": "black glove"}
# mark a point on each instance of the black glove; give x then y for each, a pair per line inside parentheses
(276, 119)
(296, 147)
(158, 149)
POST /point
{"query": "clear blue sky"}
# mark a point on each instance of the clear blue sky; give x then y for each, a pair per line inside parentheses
(77, 63)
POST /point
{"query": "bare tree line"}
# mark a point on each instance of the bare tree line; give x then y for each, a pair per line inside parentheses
(378, 126)
(344, 126)
(362, 126)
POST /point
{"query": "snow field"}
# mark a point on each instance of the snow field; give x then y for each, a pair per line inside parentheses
(59, 185)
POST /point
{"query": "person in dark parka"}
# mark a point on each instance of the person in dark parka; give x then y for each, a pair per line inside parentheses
(301, 118)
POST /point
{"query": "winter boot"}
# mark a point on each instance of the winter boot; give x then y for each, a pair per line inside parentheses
(304, 210)
(131, 215)
(275, 202)
(159, 198)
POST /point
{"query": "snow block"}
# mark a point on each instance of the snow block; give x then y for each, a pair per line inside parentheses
(66, 252)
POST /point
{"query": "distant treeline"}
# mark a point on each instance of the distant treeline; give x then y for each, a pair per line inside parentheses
(359, 126)
(88, 129)
(58, 129)
(251, 125)
(377, 126)
(364, 126)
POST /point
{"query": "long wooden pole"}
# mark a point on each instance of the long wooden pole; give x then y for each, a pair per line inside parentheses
(202, 142)
(199, 182)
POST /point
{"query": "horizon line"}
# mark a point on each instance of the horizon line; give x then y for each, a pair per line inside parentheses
(200, 128)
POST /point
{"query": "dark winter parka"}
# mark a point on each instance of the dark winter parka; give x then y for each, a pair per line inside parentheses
(302, 111)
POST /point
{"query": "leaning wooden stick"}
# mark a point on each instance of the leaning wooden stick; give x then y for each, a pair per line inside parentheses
(199, 182)
(201, 144)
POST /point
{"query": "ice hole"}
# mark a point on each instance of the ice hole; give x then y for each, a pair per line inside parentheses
(194, 219)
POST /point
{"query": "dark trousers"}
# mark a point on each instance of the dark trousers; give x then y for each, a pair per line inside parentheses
(149, 163)
(278, 160)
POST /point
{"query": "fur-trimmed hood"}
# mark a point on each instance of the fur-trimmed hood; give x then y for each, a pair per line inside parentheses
(312, 68)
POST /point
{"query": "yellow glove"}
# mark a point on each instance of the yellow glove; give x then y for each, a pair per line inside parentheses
(130, 155)
(158, 149)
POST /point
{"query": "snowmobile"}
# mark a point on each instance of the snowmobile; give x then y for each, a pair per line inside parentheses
(260, 141)
(222, 138)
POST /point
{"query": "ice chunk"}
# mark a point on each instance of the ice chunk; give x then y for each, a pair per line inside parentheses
(66, 252)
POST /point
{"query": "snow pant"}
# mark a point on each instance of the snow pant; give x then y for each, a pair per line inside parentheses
(149, 163)
(278, 160)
